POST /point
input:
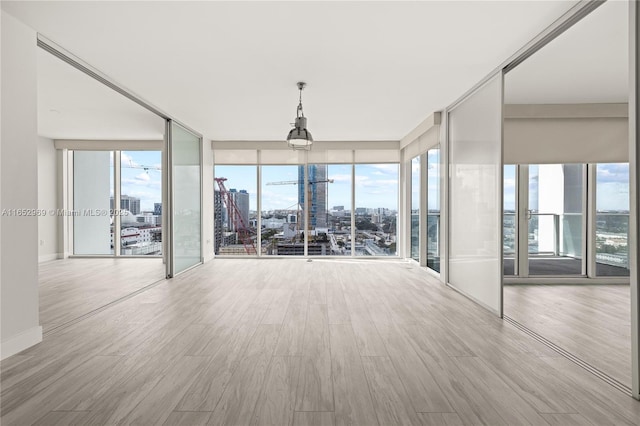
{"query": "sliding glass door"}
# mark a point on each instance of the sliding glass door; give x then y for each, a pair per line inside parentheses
(475, 195)
(186, 204)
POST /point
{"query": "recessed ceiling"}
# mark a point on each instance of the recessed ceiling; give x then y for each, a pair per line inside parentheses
(374, 70)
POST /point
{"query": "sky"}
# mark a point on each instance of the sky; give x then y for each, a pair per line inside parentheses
(376, 184)
(141, 183)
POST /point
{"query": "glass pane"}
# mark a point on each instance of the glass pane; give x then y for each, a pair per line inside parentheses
(235, 210)
(329, 194)
(376, 209)
(475, 250)
(141, 203)
(556, 219)
(187, 226)
(433, 209)
(282, 211)
(415, 208)
(612, 219)
(509, 236)
(92, 184)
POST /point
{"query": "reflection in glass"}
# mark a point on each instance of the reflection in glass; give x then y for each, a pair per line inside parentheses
(415, 209)
(612, 219)
(509, 235)
(376, 209)
(140, 203)
(555, 234)
(433, 209)
(235, 210)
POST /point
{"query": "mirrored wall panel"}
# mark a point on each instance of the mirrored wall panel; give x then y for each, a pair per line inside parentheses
(566, 131)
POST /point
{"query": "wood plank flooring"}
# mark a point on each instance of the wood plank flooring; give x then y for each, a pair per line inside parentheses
(291, 342)
(70, 288)
(592, 322)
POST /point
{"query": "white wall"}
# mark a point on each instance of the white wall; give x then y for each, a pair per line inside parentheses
(47, 200)
(19, 154)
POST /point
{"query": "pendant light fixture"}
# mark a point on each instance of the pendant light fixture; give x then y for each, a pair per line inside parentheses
(299, 137)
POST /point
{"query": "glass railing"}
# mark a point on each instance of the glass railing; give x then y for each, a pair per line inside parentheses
(549, 234)
(509, 236)
(415, 235)
(433, 240)
(562, 235)
(612, 239)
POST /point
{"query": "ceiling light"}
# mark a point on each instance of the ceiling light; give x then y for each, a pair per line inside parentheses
(299, 137)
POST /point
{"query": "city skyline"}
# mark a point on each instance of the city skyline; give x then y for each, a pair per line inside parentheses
(376, 185)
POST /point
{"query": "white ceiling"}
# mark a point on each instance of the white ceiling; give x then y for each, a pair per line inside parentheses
(374, 70)
(72, 105)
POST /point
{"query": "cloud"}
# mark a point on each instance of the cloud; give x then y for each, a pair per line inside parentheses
(127, 161)
(143, 177)
(614, 172)
(341, 178)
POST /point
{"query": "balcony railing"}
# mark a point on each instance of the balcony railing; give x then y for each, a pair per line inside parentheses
(552, 234)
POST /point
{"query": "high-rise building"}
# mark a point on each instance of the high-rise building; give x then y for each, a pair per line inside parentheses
(157, 209)
(131, 204)
(317, 193)
(241, 199)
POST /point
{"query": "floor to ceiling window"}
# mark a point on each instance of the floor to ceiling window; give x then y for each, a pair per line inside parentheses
(556, 219)
(415, 208)
(283, 214)
(612, 219)
(101, 221)
(329, 199)
(376, 209)
(433, 209)
(140, 202)
(305, 209)
(92, 184)
(509, 231)
(235, 210)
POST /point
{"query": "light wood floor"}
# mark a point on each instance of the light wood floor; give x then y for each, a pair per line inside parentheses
(70, 288)
(593, 322)
(290, 342)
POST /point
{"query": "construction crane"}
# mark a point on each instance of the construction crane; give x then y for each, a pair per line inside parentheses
(132, 165)
(244, 234)
(295, 182)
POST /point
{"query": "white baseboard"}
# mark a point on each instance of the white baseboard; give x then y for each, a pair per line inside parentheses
(20, 342)
(48, 257)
